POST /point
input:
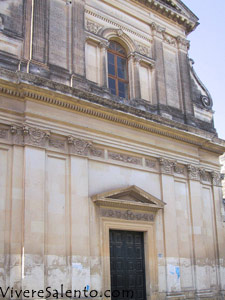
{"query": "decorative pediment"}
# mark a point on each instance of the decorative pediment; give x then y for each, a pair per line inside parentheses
(175, 10)
(131, 197)
(180, 7)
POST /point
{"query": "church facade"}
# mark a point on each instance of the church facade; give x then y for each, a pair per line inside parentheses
(109, 160)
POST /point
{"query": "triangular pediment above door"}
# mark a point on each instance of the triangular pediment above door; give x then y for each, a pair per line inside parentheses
(129, 197)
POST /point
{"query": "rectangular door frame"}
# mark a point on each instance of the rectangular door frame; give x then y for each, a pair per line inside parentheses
(151, 270)
(124, 257)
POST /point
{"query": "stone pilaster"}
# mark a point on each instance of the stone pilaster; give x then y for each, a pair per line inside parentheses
(78, 39)
(185, 76)
(34, 218)
(137, 86)
(27, 25)
(167, 166)
(103, 77)
(159, 63)
(39, 30)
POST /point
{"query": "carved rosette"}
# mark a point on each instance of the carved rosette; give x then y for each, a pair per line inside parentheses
(120, 32)
(217, 178)
(167, 166)
(79, 146)
(193, 172)
(127, 215)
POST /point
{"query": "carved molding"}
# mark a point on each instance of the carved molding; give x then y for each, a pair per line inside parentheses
(62, 103)
(179, 169)
(193, 172)
(79, 146)
(92, 26)
(183, 43)
(144, 50)
(3, 133)
(120, 32)
(27, 135)
(204, 175)
(96, 152)
(104, 44)
(58, 144)
(217, 178)
(169, 39)
(176, 41)
(150, 163)
(35, 136)
(167, 166)
(138, 58)
(125, 158)
(127, 215)
(157, 30)
(118, 25)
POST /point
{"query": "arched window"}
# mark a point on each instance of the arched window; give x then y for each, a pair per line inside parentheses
(117, 70)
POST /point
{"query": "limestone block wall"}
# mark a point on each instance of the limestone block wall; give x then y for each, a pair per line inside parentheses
(64, 138)
(158, 66)
(51, 231)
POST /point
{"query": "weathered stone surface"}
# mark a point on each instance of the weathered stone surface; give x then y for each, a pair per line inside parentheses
(77, 161)
(40, 25)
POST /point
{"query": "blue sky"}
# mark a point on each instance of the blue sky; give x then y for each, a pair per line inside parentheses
(208, 51)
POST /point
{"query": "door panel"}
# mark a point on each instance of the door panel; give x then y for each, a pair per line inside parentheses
(127, 265)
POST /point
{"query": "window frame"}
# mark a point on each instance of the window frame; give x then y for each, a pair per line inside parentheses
(116, 77)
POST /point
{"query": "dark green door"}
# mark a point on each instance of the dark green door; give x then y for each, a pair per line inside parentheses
(127, 265)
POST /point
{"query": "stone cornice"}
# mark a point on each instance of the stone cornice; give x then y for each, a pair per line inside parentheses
(172, 13)
(81, 101)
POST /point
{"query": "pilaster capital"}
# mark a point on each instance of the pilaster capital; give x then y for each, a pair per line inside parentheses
(27, 135)
(167, 166)
(104, 44)
(78, 146)
(138, 58)
(204, 175)
(183, 43)
(217, 177)
(193, 172)
(169, 39)
(157, 30)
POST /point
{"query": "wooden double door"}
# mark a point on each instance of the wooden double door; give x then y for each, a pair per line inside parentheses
(127, 265)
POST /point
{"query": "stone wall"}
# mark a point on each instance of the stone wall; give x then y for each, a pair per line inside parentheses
(69, 149)
(66, 42)
(56, 160)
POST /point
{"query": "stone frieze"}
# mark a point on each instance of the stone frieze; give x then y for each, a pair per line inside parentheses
(127, 215)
